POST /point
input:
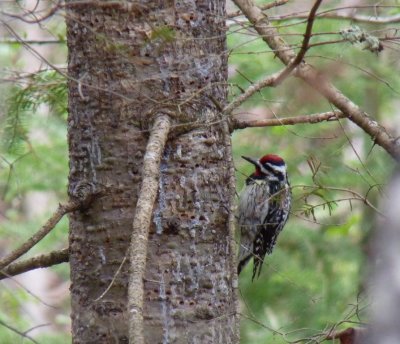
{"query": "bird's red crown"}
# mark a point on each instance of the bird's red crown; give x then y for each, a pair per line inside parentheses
(273, 159)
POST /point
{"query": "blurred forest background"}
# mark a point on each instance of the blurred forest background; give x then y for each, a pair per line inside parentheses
(315, 280)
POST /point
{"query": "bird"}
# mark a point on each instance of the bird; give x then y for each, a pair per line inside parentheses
(264, 206)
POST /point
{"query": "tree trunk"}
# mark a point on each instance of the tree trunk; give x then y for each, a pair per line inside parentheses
(129, 62)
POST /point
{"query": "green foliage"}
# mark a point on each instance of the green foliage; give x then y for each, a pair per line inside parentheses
(33, 159)
(45, 88)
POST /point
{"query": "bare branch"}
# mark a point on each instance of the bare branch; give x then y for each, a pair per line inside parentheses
(327, 14)
(267, 82)
(264, 8)
(141, 224)
(318, 81)
(51, 65)
(304, 46)
(270, 122)
(50, 13)
(357, 196)
(40, 261)
(372, 19)
(275, 79)
(48, 226)
(16, 41)
(22, 334)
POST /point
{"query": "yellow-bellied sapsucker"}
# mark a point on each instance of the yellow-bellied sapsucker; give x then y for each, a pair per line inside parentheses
(264, 207)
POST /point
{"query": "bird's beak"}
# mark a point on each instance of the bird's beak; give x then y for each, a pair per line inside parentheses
(251, 160)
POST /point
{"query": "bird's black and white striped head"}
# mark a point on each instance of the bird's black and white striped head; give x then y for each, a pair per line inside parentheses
(270, 166)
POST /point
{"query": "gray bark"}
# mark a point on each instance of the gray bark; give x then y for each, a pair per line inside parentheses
(129, 62)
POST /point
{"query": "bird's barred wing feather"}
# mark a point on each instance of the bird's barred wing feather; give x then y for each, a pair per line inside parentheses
(252, 209)
(273, 223)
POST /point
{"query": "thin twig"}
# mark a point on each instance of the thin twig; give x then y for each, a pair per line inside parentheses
(50, 13)
(48, 226)
(22, 334)
(40, 261)
(28, 291)
(279, 77)
(32, 41)
(270, 122)
(353, 17)
(268, 81)
(113, 280)
(357, 196)
(304, 46)
(264, 8)
(141, 224)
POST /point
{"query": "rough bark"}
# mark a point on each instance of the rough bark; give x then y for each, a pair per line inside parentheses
(127, 63)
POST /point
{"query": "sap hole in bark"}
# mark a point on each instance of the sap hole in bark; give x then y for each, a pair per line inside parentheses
(181, 302)
(138, 155)
(172, 245)
(123, 340)
(204, 312)
(172, 225)
(206, 283)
